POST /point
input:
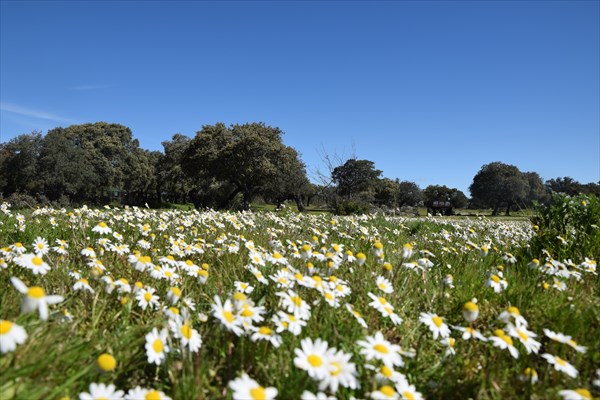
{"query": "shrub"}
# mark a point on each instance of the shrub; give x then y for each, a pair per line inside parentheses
(350, 207)
(568, 226)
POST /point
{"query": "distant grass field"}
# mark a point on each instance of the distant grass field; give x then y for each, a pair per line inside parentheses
(241, 293)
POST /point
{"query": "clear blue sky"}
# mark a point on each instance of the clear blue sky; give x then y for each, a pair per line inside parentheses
(429, 91)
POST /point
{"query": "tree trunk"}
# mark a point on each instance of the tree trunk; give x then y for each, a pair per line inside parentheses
(508, 209)
(298, 200)
(229, 199)
(496, 207)
(246, 200)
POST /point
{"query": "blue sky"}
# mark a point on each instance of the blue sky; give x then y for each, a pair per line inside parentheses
(429, 91)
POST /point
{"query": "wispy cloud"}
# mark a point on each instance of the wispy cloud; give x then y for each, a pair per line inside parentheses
(28, 112)
(88, 87)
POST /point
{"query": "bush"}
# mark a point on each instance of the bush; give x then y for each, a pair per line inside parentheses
(21, 201)
(568, 226)
(350, 207)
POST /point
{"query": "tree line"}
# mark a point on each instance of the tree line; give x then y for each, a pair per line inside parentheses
(229, 167)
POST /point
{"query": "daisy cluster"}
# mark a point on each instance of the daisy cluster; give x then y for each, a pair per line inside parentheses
(351, 307)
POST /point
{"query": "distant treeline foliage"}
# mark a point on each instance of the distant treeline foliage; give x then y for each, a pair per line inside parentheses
(230, 167)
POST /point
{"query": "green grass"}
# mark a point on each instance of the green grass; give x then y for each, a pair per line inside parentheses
(58, 358)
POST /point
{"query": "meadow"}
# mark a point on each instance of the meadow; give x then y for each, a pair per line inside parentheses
(134, 303)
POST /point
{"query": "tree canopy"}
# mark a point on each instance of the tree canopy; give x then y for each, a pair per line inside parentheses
(229, 167)
(503, 185)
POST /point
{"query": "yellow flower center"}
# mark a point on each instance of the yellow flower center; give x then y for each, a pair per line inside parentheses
(145, 259)
(247, 312)
(495, 278)
(277, 255)
(263, 330)
(584, 393)
(386, 371)
(158, 346)
(228, 316)
(5, 327)
(174, 310)
(106, 362)
(36, 292)
(258, 393)
(514, 311)
(470, 306)
(381, 348)
(102, 225)
(437, 321)
(328, 296)
(382, 301)
(186, 331)
(387, 390)
(507, 339)
(176, 291)
(168, 274)
(314, 360)
(296, 300)
(37, 261)
(152, 395)
(147, 296)
(239, 296)
(523, 335)
(572, 342)
(560, 361)
(408, 395)
(336, 368)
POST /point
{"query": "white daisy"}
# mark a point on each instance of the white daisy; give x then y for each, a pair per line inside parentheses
(246, 388)
(313, 358)
(503, 341)
(384, 285)
(32, 262)
(561, 365)
(436, 325)
(11, 335)
(341, 371)
(224, 312)
(378, 348)
(156, 346)
(139, 393)
(35, 298)
(577, 394)
(100, 391)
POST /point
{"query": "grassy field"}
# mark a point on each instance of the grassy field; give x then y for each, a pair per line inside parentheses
(190, 305)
